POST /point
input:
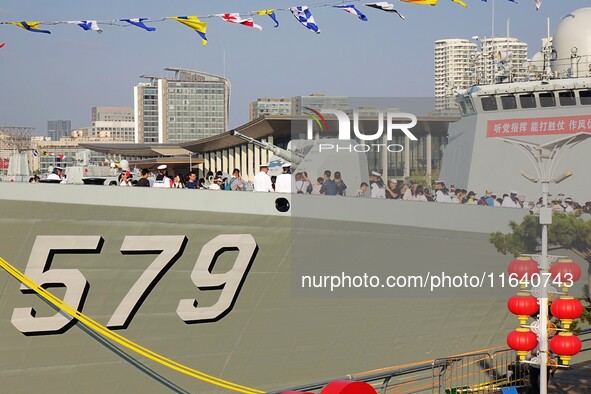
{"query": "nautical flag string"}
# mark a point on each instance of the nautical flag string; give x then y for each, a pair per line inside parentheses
(194, 23)
(302, 13)
(30, 26)
(139, 22)
(352, 10)
(235, 18)
(385, 6)
(271, 14)
(304, 16)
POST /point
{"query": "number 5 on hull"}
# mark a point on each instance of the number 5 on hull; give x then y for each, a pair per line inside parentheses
(39, 270)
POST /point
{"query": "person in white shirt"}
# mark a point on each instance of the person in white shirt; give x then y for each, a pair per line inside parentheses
(378, 189)
(57, 175)
(125, 181)
(216, 184)
(162, 180)
(262, 181)
(569, 205)
(283, 182)
(510, 201)
(442, 193)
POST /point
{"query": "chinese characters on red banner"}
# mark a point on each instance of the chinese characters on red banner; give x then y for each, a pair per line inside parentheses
(538, 126)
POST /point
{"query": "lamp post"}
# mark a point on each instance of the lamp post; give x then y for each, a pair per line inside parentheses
(545, 158)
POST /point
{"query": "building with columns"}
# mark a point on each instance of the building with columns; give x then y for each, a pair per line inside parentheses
(225, 152)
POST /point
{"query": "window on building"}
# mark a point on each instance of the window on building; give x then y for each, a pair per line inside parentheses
(489, 103)
(567, 98)
(508, 102)
(527, 100)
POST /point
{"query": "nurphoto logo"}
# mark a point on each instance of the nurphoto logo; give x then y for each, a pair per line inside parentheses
(394, 121)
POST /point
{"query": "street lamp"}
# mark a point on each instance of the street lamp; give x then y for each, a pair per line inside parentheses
(545, 158)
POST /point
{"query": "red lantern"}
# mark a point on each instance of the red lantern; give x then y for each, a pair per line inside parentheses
(522, 340)
(523, 268)
(348, 387)
(566, 345)
(566, 272)
(523, 305)
(567, 309)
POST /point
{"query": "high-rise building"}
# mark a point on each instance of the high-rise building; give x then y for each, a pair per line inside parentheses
(505, 60)
(454, 65)
(318, 101)
(188, 106)
(270, 106)
(461, 63)
(113, 122)
(57, 129)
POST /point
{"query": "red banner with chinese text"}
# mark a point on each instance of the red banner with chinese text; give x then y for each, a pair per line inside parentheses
(538, 126)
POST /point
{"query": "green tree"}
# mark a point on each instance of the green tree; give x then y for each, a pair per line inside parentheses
(565, 232)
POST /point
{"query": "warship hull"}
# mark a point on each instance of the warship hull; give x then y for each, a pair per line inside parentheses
(211, 280)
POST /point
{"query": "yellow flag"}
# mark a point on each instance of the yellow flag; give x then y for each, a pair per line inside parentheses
(422, 2)
(265, 12)
(460, 2)
(30, 26)
(194, 23)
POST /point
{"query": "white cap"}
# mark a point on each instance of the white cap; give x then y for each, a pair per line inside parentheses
(513, 192)
(375, 173)
(162, 167)
(439, 181)
(286, 164)
(264, 165)
(58, 168)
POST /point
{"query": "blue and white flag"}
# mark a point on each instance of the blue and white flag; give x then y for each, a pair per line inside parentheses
(139, 22)
(304, 16)
(385, 6)
(352, 10)
(90, 25)
(35, 152)
(86, 25)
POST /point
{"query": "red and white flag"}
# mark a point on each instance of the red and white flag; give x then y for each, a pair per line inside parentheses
(538, 4)
(235, 18)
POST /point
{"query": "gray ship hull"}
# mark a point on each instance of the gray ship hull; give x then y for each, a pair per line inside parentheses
(255, 326)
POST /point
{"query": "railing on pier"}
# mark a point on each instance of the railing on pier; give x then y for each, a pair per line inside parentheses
(465, 373)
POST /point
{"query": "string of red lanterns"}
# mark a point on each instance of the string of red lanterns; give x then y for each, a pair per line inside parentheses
(566, 308)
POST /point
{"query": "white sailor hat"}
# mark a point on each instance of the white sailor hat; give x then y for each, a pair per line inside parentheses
(162, 167)
(514, 192)
(286, 164)
(264, 165)
(58, 168)
(439, 181)
(375, 173)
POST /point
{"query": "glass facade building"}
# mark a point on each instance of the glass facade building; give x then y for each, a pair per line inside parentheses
(189, 106)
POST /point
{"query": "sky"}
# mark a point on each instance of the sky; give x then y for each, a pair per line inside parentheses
(63, 75)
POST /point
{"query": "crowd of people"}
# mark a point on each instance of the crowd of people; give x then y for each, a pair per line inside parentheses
(333, 185)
